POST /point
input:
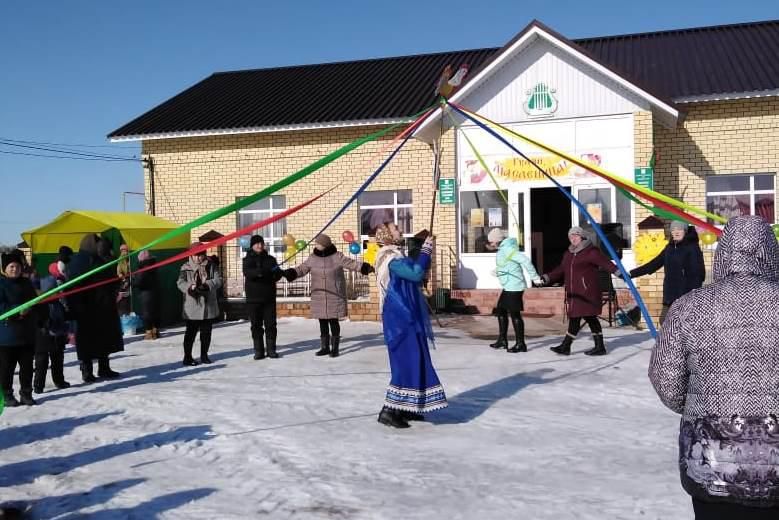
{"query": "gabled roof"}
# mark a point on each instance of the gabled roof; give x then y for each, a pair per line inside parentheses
(686, 65)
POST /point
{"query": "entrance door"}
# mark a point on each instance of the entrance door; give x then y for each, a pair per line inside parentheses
(550, 220)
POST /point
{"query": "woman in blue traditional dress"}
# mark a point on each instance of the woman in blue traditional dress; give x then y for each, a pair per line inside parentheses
(414, 387)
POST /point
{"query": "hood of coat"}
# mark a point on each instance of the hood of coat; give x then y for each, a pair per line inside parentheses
(747, 246)
(690, 237)
(328, 251)
(509, 243)
(89, 244)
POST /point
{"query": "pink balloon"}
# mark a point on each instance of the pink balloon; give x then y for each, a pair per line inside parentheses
(348, 236)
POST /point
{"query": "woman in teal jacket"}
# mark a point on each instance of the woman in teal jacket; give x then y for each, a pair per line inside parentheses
(510, 267)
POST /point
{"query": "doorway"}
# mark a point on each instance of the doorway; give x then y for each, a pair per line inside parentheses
(550, 220)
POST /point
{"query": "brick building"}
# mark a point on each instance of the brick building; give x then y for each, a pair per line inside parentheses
(703, 101)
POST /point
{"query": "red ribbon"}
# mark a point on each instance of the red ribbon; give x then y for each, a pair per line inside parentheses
(195, 250)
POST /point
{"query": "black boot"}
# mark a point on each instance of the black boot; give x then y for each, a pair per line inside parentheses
(25, 398)
(412, 416)
(519, 333)
(324, 346)
(87, 372)
(10, 400)
(188, 361)
(41, 367)
(393, 418)
(564, 348)
(270, 341)
(503, 329)
(57, 370)
(104, 369)
(334, 348)
(600, 348)
(259, 348)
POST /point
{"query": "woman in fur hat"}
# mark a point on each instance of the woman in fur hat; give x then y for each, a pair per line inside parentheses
(328, 289)
(17, 333)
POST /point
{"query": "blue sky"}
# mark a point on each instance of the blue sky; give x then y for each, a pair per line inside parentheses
(70, 72)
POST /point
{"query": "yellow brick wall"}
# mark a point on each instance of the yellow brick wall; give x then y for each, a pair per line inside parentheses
(713, 138)
(196, 175)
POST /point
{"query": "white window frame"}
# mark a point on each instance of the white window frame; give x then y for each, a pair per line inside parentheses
(394, 206)
(269, 239)
(751, 191)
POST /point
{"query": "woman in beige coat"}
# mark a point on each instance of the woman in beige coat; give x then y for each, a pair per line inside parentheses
(328, 289)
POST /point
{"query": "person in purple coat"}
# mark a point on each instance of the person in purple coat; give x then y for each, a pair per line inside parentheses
(583, 297)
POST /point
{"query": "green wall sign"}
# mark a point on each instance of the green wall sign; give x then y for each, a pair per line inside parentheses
(645, 177)
(446, 191)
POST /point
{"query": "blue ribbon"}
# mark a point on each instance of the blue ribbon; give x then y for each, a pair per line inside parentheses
(595, 225)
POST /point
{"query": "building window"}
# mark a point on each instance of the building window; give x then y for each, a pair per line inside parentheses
(260, 210)
(736, 195)
(383, 207)
(481, 211)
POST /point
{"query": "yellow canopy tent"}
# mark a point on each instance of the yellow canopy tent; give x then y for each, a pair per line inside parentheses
(133, 229)
(69, 228)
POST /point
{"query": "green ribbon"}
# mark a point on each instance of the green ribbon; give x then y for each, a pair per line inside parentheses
(221, 212)
(660, 212)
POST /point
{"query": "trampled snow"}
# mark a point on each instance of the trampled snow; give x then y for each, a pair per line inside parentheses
(534, 436)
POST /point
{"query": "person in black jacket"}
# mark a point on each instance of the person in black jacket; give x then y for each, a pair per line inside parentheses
(147, 287)
(17, 333)
(99, 331)
(682, 259)
(261, 273)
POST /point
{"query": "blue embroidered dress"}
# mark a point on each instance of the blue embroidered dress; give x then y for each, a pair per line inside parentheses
(414, 385)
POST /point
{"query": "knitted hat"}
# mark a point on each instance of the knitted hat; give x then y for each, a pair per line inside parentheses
(256, 239)
(384, 235)
(64, 254)
(678, 225)
(576, 230)
(496, 235)
(9, 257)
(323, 240)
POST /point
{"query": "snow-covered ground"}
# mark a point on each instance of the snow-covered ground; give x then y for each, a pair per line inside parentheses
(533, 436)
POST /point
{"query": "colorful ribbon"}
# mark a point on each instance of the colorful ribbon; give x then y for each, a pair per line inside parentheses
(654, 196)
(408, 134)
(230, 208)
(595, 225)
(197, 249)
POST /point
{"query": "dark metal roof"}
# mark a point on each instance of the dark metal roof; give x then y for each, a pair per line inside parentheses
(697, 62)
(673, 65)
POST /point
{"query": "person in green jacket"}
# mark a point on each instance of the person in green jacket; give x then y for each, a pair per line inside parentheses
(510, 267)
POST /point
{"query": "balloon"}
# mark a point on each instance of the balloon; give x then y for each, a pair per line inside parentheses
(354, 248)
(288, 239)
(300, 244)
(2, 403)
(289, 253)
(708, 238)
(244, 241)
(775, 227)
(348, 236)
